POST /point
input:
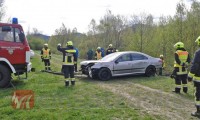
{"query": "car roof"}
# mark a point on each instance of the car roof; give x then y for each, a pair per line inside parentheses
(124, 52)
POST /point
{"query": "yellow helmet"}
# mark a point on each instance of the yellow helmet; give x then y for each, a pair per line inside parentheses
(110, 45)
(179, 45)
(198, 41)
(98, 48)
(161, 56)
(69, 43)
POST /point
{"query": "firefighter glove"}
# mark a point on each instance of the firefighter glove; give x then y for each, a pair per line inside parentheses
(189, 79)
(172, 76)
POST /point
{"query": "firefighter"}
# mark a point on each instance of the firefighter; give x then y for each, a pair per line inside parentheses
(181, 62)
(194, 75)
(69, 56)
(75, 62)
(109, 50)
(163, 65)
(46, 56)
(102, 52)
(90, 54)
(98, 53)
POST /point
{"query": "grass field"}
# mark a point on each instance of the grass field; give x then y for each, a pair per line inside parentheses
(124, 98)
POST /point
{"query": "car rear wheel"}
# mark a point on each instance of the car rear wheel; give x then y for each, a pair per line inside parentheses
(5, 76)
(150, 71)
(104, 74)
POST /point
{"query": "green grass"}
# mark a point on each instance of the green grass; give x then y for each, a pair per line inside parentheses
(84, 101)
(165, 84)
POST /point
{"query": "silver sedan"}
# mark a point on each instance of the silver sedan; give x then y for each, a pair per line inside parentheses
(120, 64)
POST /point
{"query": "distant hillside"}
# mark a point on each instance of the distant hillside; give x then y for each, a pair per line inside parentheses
(45, 37)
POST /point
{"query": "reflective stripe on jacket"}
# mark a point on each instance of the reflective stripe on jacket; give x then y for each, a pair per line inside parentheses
(183, 55)
(180, 62)
(98, 55)
(69, 57)
(46, 53)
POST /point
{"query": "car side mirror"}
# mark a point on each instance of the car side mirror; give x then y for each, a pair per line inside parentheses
(116, 62)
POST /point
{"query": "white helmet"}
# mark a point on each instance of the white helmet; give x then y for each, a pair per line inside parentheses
(46, 44)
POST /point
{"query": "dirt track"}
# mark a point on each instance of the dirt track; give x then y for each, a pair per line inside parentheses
(168, 106)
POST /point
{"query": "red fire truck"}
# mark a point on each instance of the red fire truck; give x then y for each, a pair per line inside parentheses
(14, 52)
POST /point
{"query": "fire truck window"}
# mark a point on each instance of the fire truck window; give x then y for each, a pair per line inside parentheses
(17, 32)
(1, 36)
(9, 35)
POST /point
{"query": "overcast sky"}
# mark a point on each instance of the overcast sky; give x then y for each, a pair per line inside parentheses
(48, 15)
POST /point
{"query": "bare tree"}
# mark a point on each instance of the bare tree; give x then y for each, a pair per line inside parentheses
(2, 10)
(180, 16)
(93, 31)
(139, 26)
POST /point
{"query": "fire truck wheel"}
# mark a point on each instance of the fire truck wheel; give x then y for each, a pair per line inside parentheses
(5, 76)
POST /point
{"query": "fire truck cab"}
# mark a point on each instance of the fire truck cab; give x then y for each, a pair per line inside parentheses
(14, 52)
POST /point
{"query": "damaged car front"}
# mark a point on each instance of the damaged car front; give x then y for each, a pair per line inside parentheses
(91, 68)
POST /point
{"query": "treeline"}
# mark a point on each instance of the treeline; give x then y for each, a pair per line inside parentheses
(36, 39)
(137, 32)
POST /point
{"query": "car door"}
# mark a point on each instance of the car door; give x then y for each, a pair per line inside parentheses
(139, 62)
(123, 64)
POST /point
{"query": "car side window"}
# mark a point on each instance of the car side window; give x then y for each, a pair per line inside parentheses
(124, 58)
(136, 56)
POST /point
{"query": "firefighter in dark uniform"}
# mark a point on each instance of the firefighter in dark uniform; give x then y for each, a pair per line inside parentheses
(46, 56)
(194, 75)
(69, 56)
(75, 62)
(181, 62)
(90, 54)
(98, 53)
(109, 50)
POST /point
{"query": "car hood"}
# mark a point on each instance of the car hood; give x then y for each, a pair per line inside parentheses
(91, 61)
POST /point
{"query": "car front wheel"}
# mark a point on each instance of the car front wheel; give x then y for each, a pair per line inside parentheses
(150, 71)
(104, 74)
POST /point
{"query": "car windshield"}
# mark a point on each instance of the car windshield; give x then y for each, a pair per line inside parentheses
(110, 57)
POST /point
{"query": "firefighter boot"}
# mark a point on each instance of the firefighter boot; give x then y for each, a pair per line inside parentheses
(73, 81)
(185, 89)
(66, 83)
(197, 113)
(177, 90)
(49, 68)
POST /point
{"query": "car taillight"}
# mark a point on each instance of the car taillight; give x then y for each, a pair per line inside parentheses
(27, 48)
